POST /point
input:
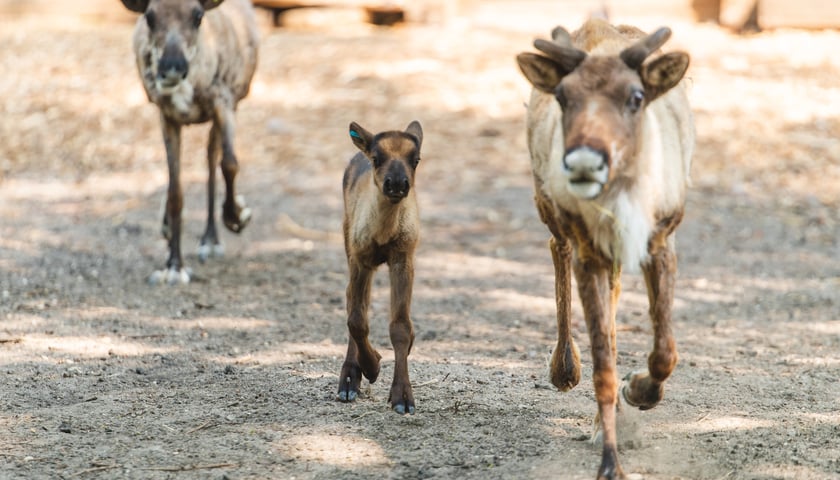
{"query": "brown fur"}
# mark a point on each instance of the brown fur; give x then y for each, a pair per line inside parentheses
(380, 226)
(196, 60)
(596, 90)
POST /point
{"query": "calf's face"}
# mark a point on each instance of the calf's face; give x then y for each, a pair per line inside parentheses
(602, 99)
(172, 27)
(394, 156)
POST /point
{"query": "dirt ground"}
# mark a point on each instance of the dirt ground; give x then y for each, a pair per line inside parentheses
(234, 376)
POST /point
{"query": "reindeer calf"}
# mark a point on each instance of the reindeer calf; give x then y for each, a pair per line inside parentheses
(196, 62)
(381, 225)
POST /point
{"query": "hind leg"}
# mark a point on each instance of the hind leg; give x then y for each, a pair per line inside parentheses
(210, 245)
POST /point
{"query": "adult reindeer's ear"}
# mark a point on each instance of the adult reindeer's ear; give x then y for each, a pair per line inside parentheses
(543, 73)
(416, 131)
(138, 6)
(663, 73)
(210, 4)
(362, 139)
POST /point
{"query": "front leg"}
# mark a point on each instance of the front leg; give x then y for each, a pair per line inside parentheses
(174, 272)
(565, 361)
(645, 389)
(235, 214)
(361, 358)
(594, 287)
(401, 269)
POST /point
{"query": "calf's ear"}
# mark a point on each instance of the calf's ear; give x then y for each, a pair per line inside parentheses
(415, 130)
(663, 73)
(138, 6)
(362, 139)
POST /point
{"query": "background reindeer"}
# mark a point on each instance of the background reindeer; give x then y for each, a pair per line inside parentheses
(611, 138)
(196, 68)
(381, 225)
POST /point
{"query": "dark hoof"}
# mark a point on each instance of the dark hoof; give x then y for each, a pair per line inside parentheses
(237, 216)
(170, 276)
(371, 366)
(565, 368)
(346, 393)
(403, 408)
(206, 251)
(402, 398)
(640, 391)
(348, 386)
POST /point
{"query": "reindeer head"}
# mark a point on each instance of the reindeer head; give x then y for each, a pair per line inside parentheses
(394, 156)
(173, 35)
(602, 99)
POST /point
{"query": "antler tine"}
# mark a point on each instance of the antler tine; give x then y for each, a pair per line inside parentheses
(636, 54)
(561, 36)
(566, 55)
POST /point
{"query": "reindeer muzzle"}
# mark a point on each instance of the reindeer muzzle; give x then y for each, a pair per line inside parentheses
(172, 67)
(587, 170)
(396, 187)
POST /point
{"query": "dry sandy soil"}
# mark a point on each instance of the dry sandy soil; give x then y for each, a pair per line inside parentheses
(234, 376)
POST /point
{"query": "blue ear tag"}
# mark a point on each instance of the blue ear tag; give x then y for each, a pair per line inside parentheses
(355, 134)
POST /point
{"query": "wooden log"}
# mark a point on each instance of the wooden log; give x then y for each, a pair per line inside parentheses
(799, 13)
(738, 15)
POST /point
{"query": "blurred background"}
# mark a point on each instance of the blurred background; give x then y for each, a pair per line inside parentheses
(105, 375)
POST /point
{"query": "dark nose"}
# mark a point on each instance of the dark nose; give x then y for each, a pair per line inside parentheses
(585, 161)
(172, 63)
(396, 186)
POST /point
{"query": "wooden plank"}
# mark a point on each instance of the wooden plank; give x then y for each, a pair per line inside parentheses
(799, 13)
(738, 14)
(377, 14)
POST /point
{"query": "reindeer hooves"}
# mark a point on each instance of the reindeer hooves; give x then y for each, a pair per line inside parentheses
(350, 381)
(206, 251)
(236, 216)
(403, 401)
(170, 276)
(640, 391)
(565, 368)
(348, 390)
(404, 407)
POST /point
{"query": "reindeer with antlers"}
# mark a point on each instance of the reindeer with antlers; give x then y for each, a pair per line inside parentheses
(611, 136)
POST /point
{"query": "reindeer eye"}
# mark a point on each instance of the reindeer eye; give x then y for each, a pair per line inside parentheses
(634, 103)
(150, 19)
(197, 15)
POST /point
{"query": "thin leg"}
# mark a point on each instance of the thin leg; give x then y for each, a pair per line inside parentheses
(595, 292)
(401, 271)
(615, 292)
(565, 361)
(210, 244)
(171, 228)
(362, 358)
(645, 389)
(235, 214)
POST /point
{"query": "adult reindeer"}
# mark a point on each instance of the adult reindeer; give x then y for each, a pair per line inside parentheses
(611, 137)
(196, 59)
